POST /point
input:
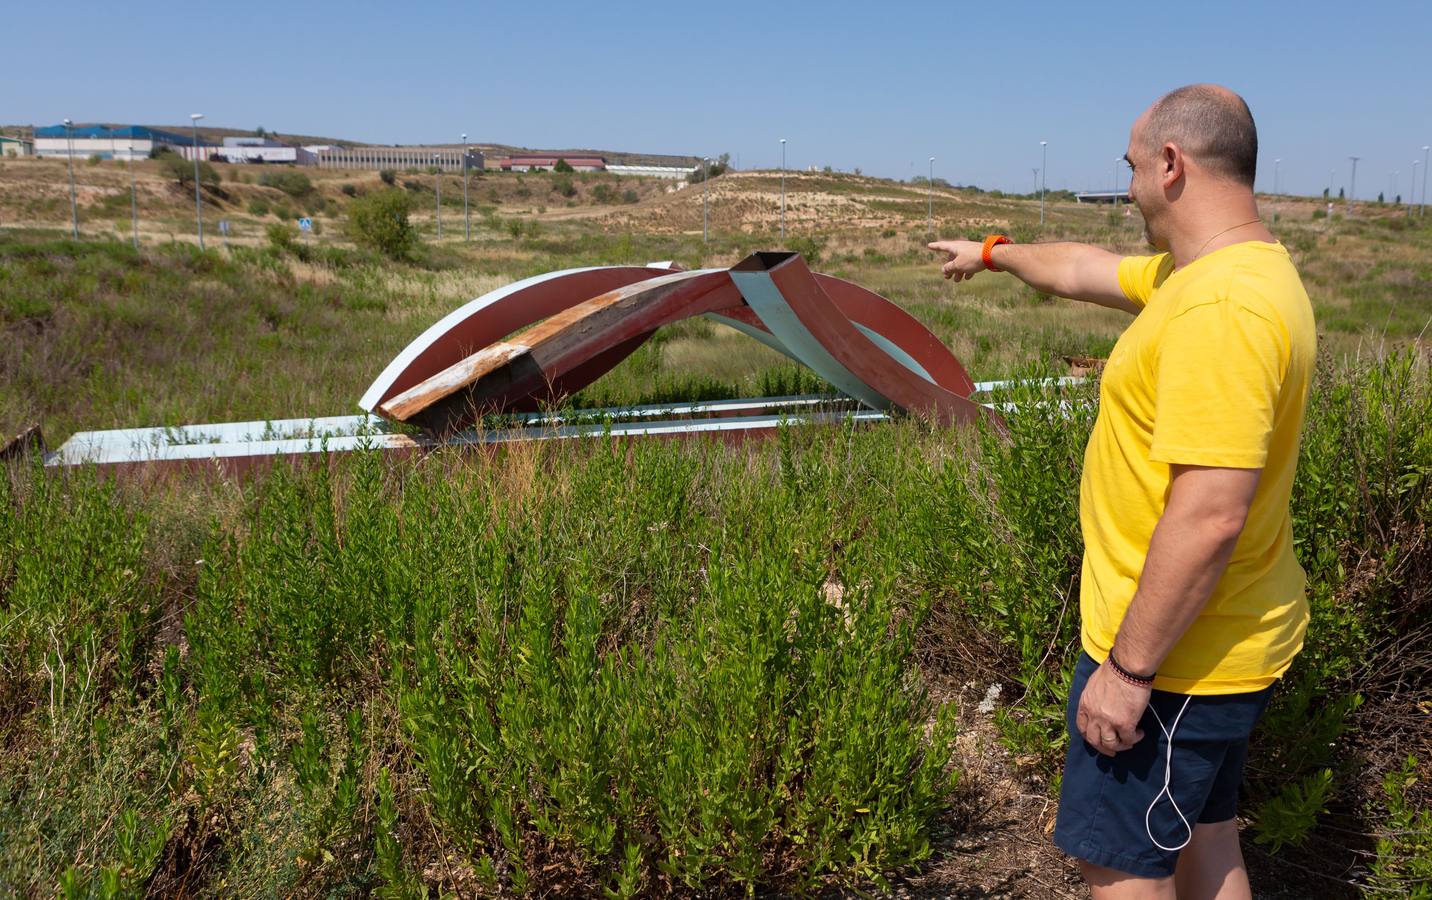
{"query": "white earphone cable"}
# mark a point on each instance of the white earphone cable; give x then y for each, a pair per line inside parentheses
(1168, 779)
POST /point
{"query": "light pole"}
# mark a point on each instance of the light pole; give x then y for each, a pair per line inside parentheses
(930, 192)
(466, 219)
(783, 189)
(705, 192)
(1036, 181)
(1412, 188)
(133, 197)
(1043, 167)
(1277, 163)
(1332, 183)
(438, 181)
(1117, 160)
(70, 157)
(198, 206)
(1352, 186)
(1422, 209)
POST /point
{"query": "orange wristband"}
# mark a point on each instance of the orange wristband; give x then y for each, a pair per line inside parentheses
(990, 243)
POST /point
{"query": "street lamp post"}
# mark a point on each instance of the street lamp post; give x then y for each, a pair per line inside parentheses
(1043, 167)
(783, 189)
(1422, 208)
(705, 192)
(198, 206)
(930, 192)
(70, 157)
(1117, 160)
(466, 218)
(1412, 188)
(133, 198)
(438, 180)
(1277, 164)
(1352, 185)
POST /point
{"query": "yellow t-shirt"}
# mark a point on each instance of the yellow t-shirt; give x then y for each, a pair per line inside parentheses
(1214, 371)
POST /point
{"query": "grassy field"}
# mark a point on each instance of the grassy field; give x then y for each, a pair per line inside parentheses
(829, 662)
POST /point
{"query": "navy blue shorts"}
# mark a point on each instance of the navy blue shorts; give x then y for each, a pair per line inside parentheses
(1105, 814)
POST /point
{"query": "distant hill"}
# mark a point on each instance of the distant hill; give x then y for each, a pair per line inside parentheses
(216, 134)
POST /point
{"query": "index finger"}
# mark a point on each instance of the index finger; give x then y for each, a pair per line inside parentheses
(942, 246)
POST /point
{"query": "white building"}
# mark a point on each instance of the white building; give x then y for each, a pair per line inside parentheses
(127, 142)
(10, 146)
(449, 159)
(680, 173)
(263, 150)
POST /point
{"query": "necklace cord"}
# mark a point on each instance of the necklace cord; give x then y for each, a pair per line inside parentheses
(1221, 233)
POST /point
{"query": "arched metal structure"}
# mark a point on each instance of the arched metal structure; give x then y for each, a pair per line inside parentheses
(580, 323)
(539, 339)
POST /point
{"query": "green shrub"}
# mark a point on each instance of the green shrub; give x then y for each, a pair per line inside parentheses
(379, 221)
(295, 184)
(809, 247)
(349, 190)
(1403, 865)
(258, 206)
(563, 185)
(282, 237)
(388, 176)
(564, 167)
(182, 170)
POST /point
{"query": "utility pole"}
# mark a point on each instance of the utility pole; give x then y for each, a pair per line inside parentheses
(70, 157)
(438, 181)
(783, 189)
(466, 218)
(1043, 167)
(1117, 160)
(133, 195)
(1352, 187)
(705, 192)
(930, 192)
(198, 206)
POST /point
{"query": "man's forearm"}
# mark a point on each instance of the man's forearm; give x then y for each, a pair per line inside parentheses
(1066, 269)
(1044, 267)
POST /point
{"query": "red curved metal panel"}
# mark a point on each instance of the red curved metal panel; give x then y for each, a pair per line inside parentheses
(566, 344)
(491, 318)
(837, 335)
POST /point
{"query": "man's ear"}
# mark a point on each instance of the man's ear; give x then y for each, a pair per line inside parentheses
(1171, 164)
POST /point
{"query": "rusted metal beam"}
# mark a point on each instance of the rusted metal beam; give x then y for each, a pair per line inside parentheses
(493, 316)
(794, 307)
(529, 364)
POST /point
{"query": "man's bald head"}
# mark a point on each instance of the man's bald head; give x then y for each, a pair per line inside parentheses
(1213, 127)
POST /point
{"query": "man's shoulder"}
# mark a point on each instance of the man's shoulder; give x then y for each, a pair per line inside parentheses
(1256, 278)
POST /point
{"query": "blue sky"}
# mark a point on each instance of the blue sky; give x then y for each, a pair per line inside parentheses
(879, 86)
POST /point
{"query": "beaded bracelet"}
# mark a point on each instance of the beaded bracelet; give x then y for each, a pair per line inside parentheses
(1130, 677)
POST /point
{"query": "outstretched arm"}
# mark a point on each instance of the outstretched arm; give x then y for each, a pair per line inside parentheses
(1076, 271)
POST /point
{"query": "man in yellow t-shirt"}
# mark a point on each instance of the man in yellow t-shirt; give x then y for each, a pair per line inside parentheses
(1192, 603)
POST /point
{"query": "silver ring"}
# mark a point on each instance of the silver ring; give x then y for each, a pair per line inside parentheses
(1108, 740)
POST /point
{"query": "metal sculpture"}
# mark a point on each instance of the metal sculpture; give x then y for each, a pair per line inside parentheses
(516, 349)
(471, 364)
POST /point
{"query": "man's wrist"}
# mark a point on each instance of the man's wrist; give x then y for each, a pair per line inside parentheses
(987, 250)
(1136, 677)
